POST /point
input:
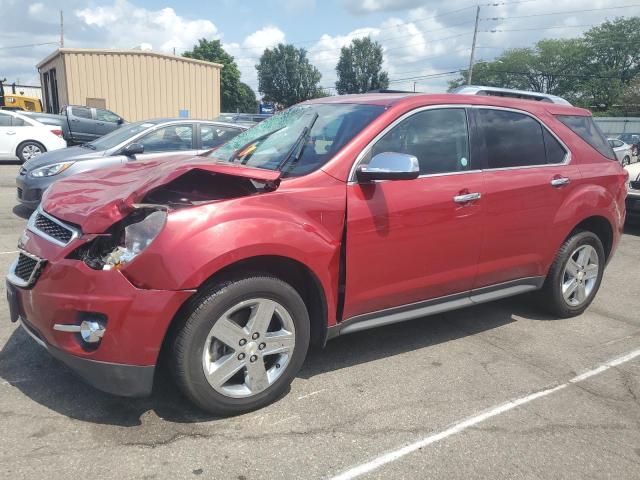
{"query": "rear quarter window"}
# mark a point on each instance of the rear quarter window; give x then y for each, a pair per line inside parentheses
(588, 131)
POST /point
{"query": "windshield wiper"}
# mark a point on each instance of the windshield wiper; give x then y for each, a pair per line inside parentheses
(296, 151)
(87, 145)
(246, 145)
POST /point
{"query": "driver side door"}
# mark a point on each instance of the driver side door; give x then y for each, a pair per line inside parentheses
(414, 240)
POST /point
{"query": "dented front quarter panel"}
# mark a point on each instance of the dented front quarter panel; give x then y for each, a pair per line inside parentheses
(302, 220)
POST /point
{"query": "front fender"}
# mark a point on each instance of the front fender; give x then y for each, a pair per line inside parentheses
(197, 243)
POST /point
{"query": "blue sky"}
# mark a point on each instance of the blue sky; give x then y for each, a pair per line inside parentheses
(420, 37)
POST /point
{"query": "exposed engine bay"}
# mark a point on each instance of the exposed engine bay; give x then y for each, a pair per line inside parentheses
(197, 186)
(131, 235)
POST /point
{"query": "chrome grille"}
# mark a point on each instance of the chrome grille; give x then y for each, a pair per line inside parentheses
(51, 228)
(26, 270)
(19, 192)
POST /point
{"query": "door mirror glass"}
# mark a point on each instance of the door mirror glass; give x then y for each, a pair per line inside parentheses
(133, 149)
(389, 166)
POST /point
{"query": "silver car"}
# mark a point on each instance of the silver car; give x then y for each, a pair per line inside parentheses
(132, 142)
(622, 150)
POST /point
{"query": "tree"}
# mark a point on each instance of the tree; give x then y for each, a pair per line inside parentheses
(612, 60)
(234, 96)
(285, 75)
(542, 68)
(592, 71)
(359, 68)
(247, 101)
(631, 98)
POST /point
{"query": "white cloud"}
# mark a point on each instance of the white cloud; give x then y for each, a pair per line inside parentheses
(407, 47)
(36, 9)
(124, 25)
(266, 37)
(367, 6)
(247, 53)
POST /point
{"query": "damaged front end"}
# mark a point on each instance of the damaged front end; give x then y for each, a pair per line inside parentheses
(130, 236)
(125, 240)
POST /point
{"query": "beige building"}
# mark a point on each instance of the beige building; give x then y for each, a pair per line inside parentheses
(135, 84)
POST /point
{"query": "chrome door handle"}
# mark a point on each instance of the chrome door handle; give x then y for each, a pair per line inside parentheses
(467, 197)
(558, 182)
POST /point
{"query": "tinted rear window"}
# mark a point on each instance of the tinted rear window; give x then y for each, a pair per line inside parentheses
(555, 152)
(587, 129)
(512, 139)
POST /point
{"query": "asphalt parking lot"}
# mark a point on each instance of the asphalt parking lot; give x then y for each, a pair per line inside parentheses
(439, 385)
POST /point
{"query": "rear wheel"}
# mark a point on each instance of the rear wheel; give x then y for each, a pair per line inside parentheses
(626, 161)
(29, 149)
(575, 276)
(241, 345)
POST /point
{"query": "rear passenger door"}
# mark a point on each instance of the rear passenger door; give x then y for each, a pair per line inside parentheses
(528, 176)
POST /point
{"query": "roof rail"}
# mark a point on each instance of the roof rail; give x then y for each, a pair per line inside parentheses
(509, 92)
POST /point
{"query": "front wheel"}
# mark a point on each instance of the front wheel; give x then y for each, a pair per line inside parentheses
(29, 149)
(626, 161)
(575, 276)
(242, 345)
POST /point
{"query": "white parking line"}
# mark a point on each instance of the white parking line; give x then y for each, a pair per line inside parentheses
(469, 422)
(7, 253)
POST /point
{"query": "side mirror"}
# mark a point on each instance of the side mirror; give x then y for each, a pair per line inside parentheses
(389, 166)
(120, 121)
(133, 149)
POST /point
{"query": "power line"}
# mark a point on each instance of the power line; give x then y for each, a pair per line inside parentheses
(561, 13)
(314, 52)
(29, 45)
(499, 30)
(414, 20)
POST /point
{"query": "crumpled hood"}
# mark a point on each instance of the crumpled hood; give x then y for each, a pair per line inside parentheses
(63, 155)
(96, 200)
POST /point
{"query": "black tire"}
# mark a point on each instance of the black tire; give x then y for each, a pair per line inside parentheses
(551, 293)
(23, 145)
(186, 354)
(626, 161)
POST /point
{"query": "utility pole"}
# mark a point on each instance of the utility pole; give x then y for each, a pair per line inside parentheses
(473, 46)
(61, 30)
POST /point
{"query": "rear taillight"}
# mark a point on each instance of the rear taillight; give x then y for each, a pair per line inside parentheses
(57, 132)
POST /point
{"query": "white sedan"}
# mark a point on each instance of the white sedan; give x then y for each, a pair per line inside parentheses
(622, 150)
(633, 191)
(24, 138)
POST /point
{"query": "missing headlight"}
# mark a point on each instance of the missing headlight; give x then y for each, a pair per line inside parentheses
(124, 240)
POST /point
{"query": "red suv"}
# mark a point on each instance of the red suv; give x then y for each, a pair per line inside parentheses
(334, 216)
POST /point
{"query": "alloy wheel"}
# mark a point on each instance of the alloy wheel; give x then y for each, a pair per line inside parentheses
(580, 275)
(248, 348)
(30, 150)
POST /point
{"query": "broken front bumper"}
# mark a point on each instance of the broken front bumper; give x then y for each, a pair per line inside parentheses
(65, 291)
